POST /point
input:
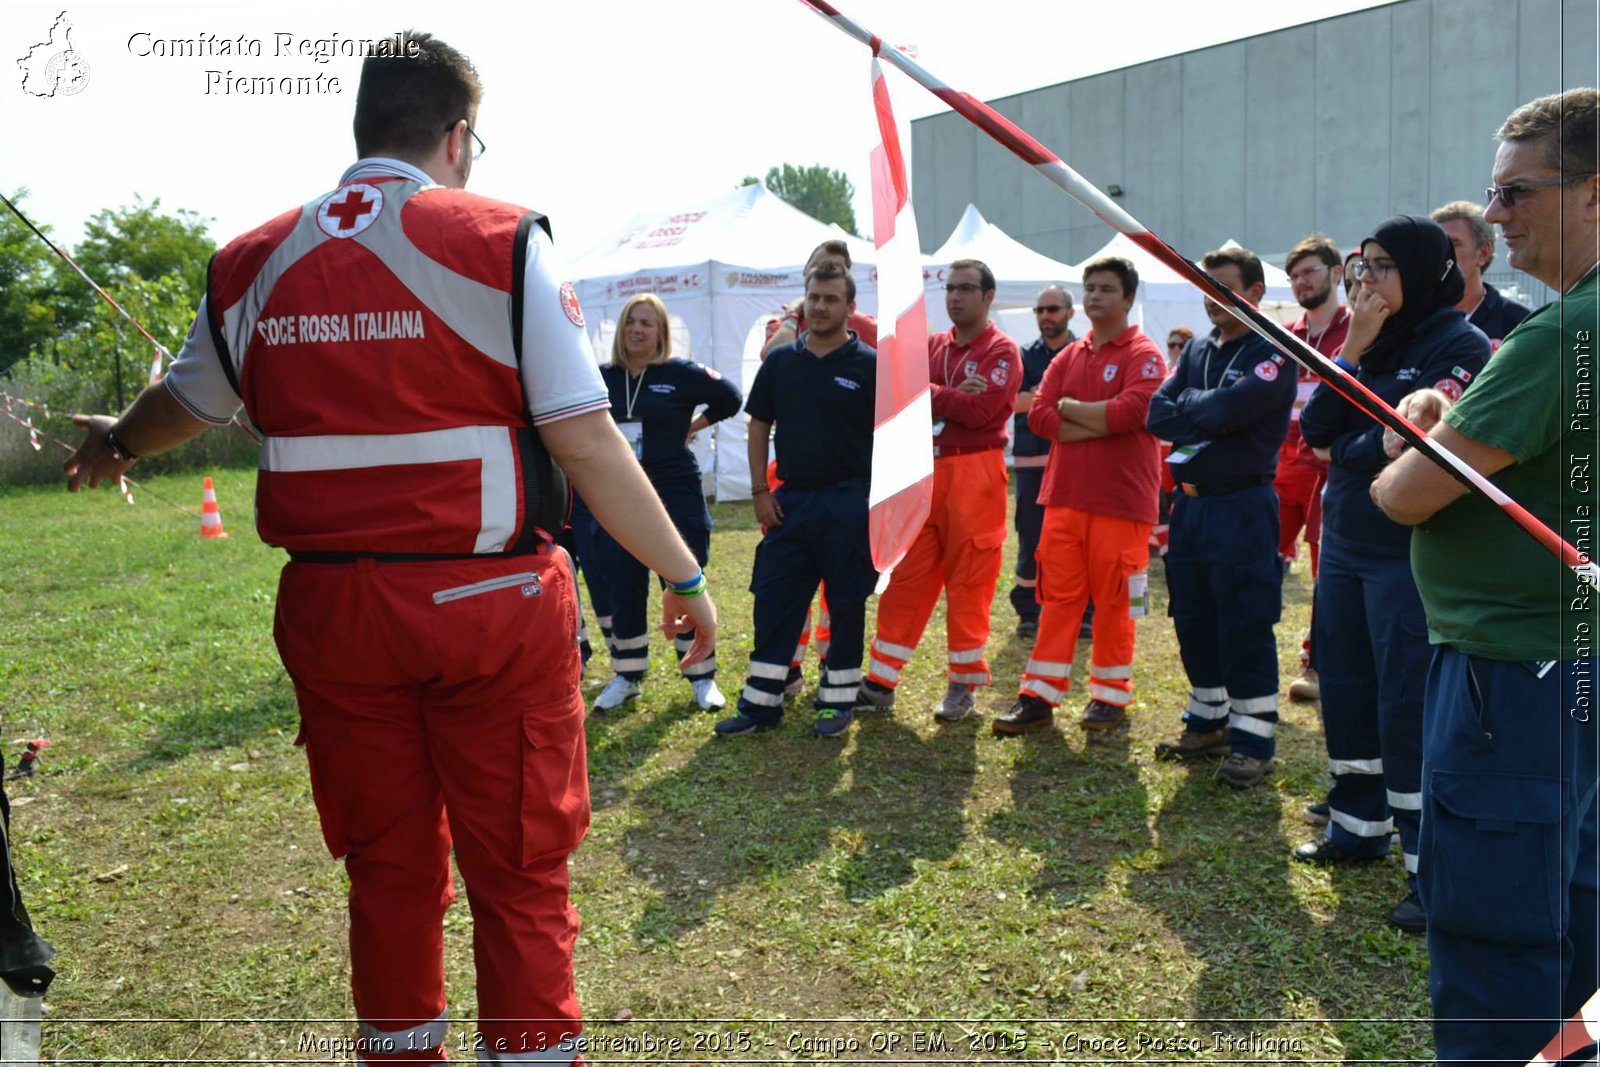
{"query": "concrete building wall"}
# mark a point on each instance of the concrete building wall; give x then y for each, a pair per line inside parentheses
(1331, 126)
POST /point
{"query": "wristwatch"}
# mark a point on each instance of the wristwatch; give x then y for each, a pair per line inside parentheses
(121, 451)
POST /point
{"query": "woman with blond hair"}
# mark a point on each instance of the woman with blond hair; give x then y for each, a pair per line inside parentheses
(654, 399)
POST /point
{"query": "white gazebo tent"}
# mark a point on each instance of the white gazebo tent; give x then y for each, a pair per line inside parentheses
(721, 266)
(1019, 274)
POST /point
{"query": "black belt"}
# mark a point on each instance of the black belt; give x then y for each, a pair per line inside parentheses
(1223, 487)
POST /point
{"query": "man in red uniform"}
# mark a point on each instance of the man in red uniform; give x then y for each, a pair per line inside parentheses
(1315, 273)
(414, 360)
(1099, 496)
(975, 371)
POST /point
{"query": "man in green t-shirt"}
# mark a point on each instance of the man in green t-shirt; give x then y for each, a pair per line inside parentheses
(1508, 869)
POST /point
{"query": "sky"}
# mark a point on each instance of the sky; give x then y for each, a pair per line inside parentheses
(593, 111)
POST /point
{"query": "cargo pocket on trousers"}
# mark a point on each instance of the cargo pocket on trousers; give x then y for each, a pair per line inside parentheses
(555, 780)
(1492, 866)
(333, 829)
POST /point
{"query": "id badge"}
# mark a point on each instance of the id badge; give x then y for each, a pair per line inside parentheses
(1184, 453)
(938, 427)
(633, 433)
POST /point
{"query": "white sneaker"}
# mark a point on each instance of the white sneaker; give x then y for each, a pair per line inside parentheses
(956, 705)
(617, 692)
(707, 695)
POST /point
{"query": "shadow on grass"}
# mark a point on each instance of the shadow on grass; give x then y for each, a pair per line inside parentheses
(621, 741)
(201, 729)
(725, 819)
(906, 801)
(1080, 812)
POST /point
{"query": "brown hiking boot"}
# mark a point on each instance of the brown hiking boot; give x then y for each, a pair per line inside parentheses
(1098, 715)
(1191, 744)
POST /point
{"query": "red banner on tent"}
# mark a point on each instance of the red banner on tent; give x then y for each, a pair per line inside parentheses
(902, 438)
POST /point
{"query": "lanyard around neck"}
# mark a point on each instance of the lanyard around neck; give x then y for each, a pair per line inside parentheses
(629, 395)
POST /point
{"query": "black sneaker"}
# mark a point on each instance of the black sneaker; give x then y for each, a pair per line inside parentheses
(1316, 814)
(1027, 629)
(1327, 852)
(741, 724)
(1409, 916)
(1028, 713)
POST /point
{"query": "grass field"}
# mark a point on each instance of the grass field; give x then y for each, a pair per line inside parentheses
(915, 892)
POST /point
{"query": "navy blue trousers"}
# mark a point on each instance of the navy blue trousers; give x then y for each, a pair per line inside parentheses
(1226, 583)
(1028, 520)
(630, 604)
(823, 537)
(595, 563)
(1372, 655)
(1508, 870)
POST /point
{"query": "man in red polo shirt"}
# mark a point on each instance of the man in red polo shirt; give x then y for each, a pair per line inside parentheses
(1315, 272)
(1099, 497)
(974, 371)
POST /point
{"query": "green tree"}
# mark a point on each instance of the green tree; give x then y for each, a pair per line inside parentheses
(822, 193)
(135, 242)
(27, 290)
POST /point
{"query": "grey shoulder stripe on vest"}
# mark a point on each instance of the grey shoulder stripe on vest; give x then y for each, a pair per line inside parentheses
(478, 313)
(239, 321)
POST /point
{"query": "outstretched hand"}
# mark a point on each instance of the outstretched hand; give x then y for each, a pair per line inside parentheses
(93, 462)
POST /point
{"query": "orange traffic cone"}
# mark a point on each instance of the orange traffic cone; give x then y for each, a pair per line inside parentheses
(210, 517)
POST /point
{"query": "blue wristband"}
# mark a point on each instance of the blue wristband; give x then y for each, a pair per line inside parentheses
(688, 585)
(1346, 366)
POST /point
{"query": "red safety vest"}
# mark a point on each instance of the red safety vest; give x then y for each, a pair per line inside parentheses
(374, 336)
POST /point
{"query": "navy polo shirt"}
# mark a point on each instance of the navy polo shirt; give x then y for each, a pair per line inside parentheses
(664, 399)
(1035, 361)
(1495, 315)
(1231, 400)
(823, 411)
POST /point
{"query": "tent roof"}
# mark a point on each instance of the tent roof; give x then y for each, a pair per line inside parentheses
(975, 237)
(1151, 270)
(749, 226)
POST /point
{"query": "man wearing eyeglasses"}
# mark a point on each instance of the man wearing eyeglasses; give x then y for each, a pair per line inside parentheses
(1226, 409)
(1507, 860)
(1315, 272)
(1052, 310)
(414, 360)
(1473, 239)
(974, 371)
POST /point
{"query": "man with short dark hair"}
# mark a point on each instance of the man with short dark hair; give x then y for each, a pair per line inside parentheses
(1099, 496)
(819, 392)
(1508, 869)
(791, 320)
(974, 370)
(1315, 272)
(1226, 409)
(1052, 310)
(1473, 238)
(409, 352)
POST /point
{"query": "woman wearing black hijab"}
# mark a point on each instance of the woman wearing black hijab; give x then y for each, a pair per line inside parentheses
(1371, 635)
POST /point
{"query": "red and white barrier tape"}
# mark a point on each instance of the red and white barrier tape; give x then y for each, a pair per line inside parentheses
(902, 449)
(1050, 165)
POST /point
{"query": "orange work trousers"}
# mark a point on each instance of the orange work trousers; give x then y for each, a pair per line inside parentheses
(1083, 554)
(958, 552)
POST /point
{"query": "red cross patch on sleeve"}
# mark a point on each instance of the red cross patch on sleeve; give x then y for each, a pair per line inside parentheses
(1450, 388)
(1267, 370)
(569, 303)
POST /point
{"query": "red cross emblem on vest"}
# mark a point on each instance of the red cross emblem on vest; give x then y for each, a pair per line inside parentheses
(348, 211)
